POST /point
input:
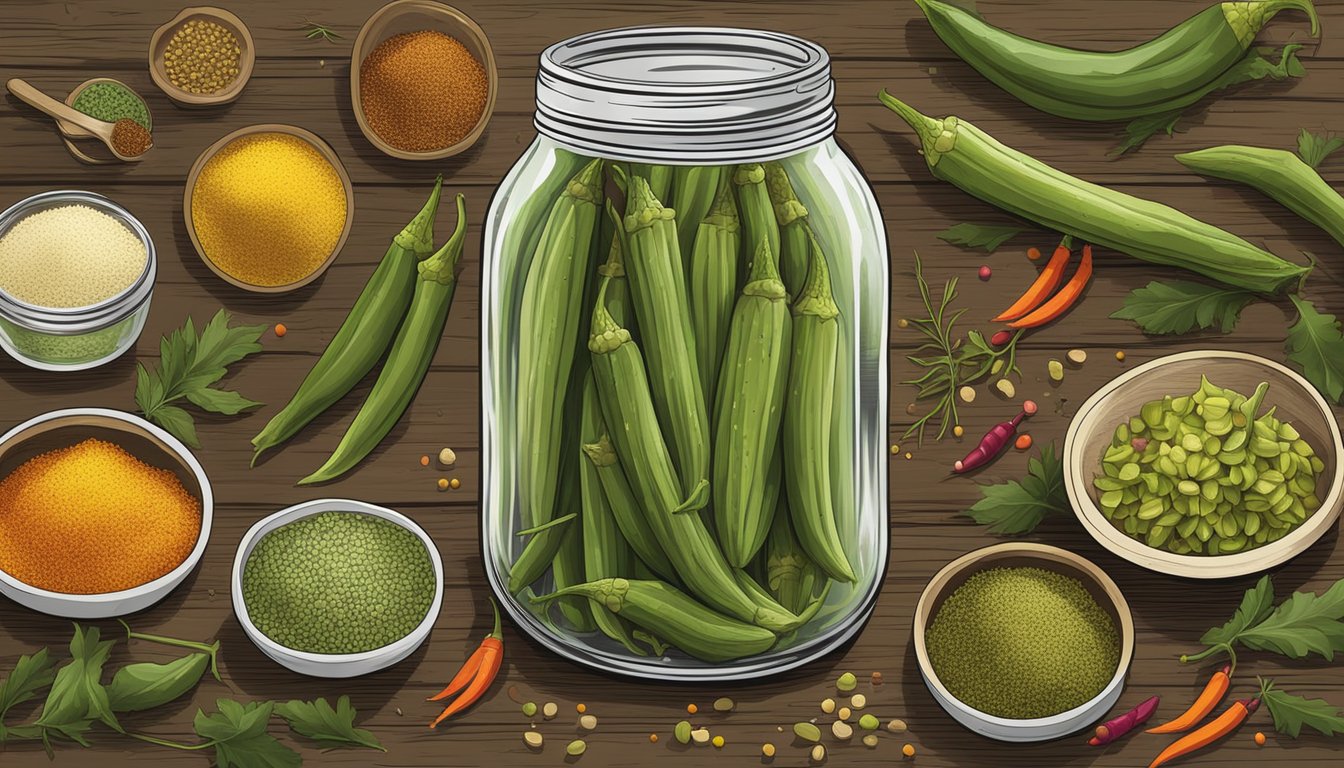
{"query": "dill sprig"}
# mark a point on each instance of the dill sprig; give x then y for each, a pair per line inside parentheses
(320, 30)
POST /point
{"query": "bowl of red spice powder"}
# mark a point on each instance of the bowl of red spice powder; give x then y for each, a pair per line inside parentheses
(102, 514)
(422, 80)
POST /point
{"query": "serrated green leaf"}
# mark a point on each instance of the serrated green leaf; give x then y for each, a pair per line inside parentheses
(1316, 347)
(1256, 604)
(32, 674)
(178, 422)
(1017, 506)
(1304, 624)
(986, 236)
(1293, 713)
(1314, 148)
(319, 721)
(1180, 306)
(240, 738)
(77, 697)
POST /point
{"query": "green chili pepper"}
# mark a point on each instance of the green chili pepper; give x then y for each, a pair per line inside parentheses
(550, 320)
(658, 286)
(408, 360)
(748, 411)
(758, 215)
(712, 284)
(539, 553)
(807, 420)
(791, 216)
(962, 154)
(694, 193)
(1162, 75)
(676, 618)
(364, 334)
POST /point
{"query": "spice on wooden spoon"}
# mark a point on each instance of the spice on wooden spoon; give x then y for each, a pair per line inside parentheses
(127, 139)
(130, 138)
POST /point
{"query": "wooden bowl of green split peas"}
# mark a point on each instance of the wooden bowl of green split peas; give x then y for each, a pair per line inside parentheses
(1296, 403)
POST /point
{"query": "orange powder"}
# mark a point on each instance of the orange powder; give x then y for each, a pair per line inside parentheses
(92, 518)
(422, 91)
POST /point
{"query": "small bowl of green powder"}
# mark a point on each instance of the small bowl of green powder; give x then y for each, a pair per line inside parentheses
(1023, 642)
(337, 588)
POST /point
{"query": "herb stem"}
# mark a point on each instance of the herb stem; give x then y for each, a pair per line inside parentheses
(212, 649)
(172, 744)
(1211, 650)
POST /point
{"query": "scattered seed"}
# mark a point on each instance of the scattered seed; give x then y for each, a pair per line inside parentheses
(908, 750)
(576, 748)
(958, 431)
(870, 740)
(828, 705)
(1056, 369)
(529, 709)
(843, 714)
(1034, 253)
(995, 367)
(424, 461)
(724, 704)
(911, 408)
(967, 394)
(653, 738)
(1000, 338)
(588, 722)
(447, 457)
(1006, 388)
(682, 732)
(767, 750)
(580, 708)
(454, 483)
(1120, 355)
(1022, 443)
(398, 711)
(985, 272)
(877, 678)
(858, 701)
(533, 739)
(842, 730)
(807, 732)
(933, 70)
(443, 483)
(281, 330)
(322, 63)
(897, 726)
(718, 742)
(895, 449)
(902, 323)
(818, 754)
(1259, 739)
(869, 722)
(1077, 356)
(549, 709)
(909, 456)
(700, 735)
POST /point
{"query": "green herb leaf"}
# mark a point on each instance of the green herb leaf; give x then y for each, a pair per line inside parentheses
(32, 674)
(1256, 605)
(1316, 347)
(78, 698)
(1314, 148)
(188, 366)
(239, 735)
(1019, 506)
(318, 721)
(986, 236)
(137, 687)
(1180, 306)
(1293, 713)
(1141, 129)
(1304, 624)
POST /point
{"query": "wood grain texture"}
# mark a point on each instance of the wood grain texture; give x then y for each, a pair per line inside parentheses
(874, 44)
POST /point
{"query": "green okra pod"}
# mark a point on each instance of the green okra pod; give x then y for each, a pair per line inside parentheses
(749, 409)
(694, 192)
(807, 420)
(791, 575)
(763, 598)
(549, 326)
(758, 215)
(540, 550)
(658, 176)
(791, 217)
(618, 292)
(712, 284)
(658, 287)
(625, 508)
(673, 616)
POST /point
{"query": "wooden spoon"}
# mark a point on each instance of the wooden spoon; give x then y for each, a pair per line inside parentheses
(99, 129)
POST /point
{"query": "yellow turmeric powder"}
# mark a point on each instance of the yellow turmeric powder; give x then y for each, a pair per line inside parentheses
(91, 519)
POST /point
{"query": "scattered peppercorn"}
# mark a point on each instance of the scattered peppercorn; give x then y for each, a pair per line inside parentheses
(653, 738)
(1259, 739)
(1120, 355)
(443, 483)
(580, 708)
(454, 483)
(691, 709)
(718, 742)
(877, 678)
(908, 750)
(1034, 253)
(767, 750)
(985, 272)
(424, 461)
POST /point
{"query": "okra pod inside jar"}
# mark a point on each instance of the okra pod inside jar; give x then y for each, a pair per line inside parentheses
(684, 313)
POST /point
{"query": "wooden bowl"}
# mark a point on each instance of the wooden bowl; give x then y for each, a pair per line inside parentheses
(1015, 555)
(1093, 426)
(159, 42)
(317, 143)
(71, 131)
(401, 16)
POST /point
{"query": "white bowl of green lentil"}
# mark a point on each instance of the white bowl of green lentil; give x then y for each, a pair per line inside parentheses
(1010, 555)
(1295, 401)
(332, 665)
(146, 443)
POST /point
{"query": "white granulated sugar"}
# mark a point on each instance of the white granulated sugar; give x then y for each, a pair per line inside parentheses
(71, 256)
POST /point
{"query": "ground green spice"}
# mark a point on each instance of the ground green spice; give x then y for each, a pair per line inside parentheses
(1022, 643)
(68, 350)
(111, 102)
(338, 582)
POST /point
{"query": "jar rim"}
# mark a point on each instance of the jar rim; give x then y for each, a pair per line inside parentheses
(686, 95)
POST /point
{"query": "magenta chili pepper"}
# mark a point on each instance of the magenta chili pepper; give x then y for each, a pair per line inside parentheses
(995, 441)
(1119, 726)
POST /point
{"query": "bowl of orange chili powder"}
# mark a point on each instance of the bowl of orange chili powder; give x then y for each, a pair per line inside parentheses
(102, 514)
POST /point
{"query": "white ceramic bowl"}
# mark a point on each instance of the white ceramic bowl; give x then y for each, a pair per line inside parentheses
(1020, 554)
(150, 444)
(334, 664)
(1297, 401)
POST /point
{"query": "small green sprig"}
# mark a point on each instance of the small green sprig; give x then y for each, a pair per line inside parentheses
(315, 30)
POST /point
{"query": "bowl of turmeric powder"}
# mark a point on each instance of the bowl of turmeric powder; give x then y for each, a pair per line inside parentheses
(102, 514)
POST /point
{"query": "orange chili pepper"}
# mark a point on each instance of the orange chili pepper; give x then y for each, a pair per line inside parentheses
(1216, 729)
(1213, 692)
(1061, 301)
(1045, 284)
(476, 674)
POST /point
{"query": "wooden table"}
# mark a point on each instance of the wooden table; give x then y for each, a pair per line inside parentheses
(873, 44)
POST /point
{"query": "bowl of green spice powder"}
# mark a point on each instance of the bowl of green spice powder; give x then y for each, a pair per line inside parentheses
(337, 588)
(1023, 642)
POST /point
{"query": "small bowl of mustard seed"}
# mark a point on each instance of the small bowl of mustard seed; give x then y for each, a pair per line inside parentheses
(202, 57)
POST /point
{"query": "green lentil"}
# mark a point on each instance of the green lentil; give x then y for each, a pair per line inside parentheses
(869, 723)
(807, 732)
(847, 682)
(724, 704)
(987, 646)
(576, 747)
(682, 732)
(111, 102)
(338, 582)
(530, 708)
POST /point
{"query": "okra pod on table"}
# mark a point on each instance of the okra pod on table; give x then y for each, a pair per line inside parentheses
(627, 407)
(791, 218)
(758, 214)
(658, 286)
(551, 315)
(712, 284)
(673, 616)
(807, 420)
(974, 161)
(748, 410)
(694, 192)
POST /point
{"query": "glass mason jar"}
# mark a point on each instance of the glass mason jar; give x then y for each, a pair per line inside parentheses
(75, 338)
(653, 103)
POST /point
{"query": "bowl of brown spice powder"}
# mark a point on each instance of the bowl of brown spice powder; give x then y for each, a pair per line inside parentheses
(202, 57)
(422, 80)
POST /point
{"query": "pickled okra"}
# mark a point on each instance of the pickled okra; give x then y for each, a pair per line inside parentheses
(625, 509)
(539, 552)
(758, 214)
(791, 217)
(711, 281)
(694, 193)
(1203, 474)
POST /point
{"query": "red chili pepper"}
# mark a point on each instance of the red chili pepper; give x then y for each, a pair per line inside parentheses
(1046, 283)
(994, 442)
(1060, 302)
(1213, 692)
(1119, 726)
(1216, 729)
(476, 674)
